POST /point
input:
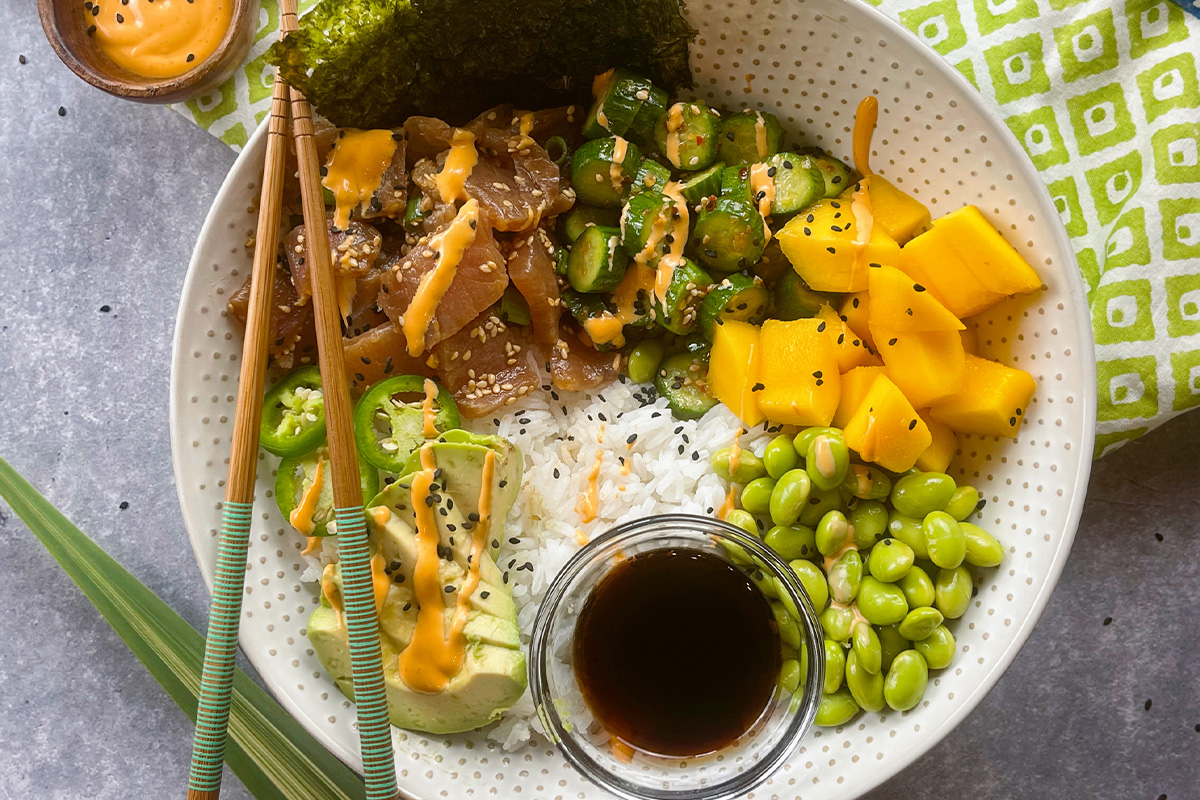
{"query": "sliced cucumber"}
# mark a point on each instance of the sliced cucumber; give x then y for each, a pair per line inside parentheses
(562, 261)
(598, 261)
(647, 215)
(649, 116)
(735, 297)
(583, 306)
(749, 137)
(735, 183)
(798, 183)
(837, 175)
(615, 108)
(600, 178)
(683, 380)
(791, 298)
(572, 224)
(730, 236)
(513, 307)
(687, 135)
(651, 177)
(679, 312)
(701, 185)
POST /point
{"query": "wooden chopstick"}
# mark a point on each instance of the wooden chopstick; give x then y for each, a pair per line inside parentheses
(374, 729)
(216, 678)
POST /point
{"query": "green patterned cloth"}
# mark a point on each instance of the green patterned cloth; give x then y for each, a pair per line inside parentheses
(1104, 96)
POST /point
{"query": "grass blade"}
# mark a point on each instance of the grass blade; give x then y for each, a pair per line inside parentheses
(275, 758)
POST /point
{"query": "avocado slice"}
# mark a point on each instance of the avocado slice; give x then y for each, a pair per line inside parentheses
(493, 675)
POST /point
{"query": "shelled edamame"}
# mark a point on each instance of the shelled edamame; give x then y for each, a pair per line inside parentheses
(887, 560)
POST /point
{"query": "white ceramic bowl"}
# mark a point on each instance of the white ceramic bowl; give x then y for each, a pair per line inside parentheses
(809, 62)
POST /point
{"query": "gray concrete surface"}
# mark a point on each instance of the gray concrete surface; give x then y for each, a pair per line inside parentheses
(99, 208)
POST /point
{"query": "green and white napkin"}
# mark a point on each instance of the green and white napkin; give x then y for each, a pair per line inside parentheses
(1105, 98)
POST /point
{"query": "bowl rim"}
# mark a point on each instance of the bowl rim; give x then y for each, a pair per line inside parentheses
(136, 87)
(739, 783)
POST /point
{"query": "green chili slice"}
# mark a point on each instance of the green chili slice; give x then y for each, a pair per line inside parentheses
(293, 414)
(295, 480)
(389, 420)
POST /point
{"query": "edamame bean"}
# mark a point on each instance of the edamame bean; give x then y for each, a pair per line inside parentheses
(906, 681)
(963, 502)
(749, 466)
(865, 687)
(789, 676)
(832, 532)
(892, 644)
(643, 362)
(740, 518)
(866, 646)
(917, 587)
(789, 496)
(881, 603)
(937, 648)
(819, 504)
(908, 530)
(836, 709)
(764, 582)
(867, 483)
(789, 630)
(835, 665)
(837, 623)
(944, 539)
(868, 523)
(919, 623)
(756, 496)
(780, 456)
(845, 576)
(814, 583)
(917, 494)
(952, 591)
(982, 548)
(890, 560)
(827, 460)
(804, 438)
(792, 541)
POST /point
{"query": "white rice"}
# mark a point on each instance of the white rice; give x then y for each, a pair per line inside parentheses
(560, 435)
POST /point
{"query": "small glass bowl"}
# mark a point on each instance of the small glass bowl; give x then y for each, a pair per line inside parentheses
(727, 773)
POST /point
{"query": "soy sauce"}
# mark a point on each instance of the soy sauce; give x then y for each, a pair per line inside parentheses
(676, 652)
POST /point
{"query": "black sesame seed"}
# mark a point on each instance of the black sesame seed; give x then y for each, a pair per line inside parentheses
(854, 302)
(912, 424)
(1012, 421)
(831, 250)
(758, 387)
(407, 606)
(818, 374)
(841, 338)
(105, 309)
(821, 327)
(485, 594)
(918, 287)
(21, 59)
(632, 438)
(62, 112)
(191, 57)
(449, 590)
(892, 342)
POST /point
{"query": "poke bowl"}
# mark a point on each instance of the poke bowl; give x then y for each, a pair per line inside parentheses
(594, 459)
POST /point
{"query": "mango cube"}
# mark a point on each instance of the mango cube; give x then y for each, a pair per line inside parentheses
(850, 350)
(940, 453)
(898, 213)
(798, 370)
(855, 385)
(733, 369)
(970, 339)
(856, 310)
(967, 264)
(822, 246)
(886, 429)
(899, 303)
(992, 402)
(928, 366)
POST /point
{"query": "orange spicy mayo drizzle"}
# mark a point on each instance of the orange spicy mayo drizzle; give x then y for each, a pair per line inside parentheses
(354, 168)
(674, 124)
(158, 38)
(616, 170)
(864, 126)
(762, 188)
(428, 428)
(735, 452)
(450, 245)
(460, 163)
(589, 500)
(727, 505)
(608, 326)
(302, 515)
(674, 257)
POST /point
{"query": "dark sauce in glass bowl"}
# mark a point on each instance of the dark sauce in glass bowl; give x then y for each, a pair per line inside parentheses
(677, 652)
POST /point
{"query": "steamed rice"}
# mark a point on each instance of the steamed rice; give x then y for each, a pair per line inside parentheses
(561, 435)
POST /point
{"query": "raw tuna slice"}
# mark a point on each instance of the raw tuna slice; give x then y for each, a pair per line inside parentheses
(577, 367)
(531, 270)
(487, 365)
(380, 353)
(292, 340)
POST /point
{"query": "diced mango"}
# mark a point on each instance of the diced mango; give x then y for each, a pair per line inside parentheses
(940, 453)
(967, 264)
(850, 350)
(855, 385)
(822, 246)
(992, 402)
(797, 367)
(928, 366)
(902, 305)
(886, 429)
(899, 214)
(856, 310)
(970, 339)
(733, 369)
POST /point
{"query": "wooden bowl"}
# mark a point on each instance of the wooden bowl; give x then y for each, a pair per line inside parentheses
(64, 25)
